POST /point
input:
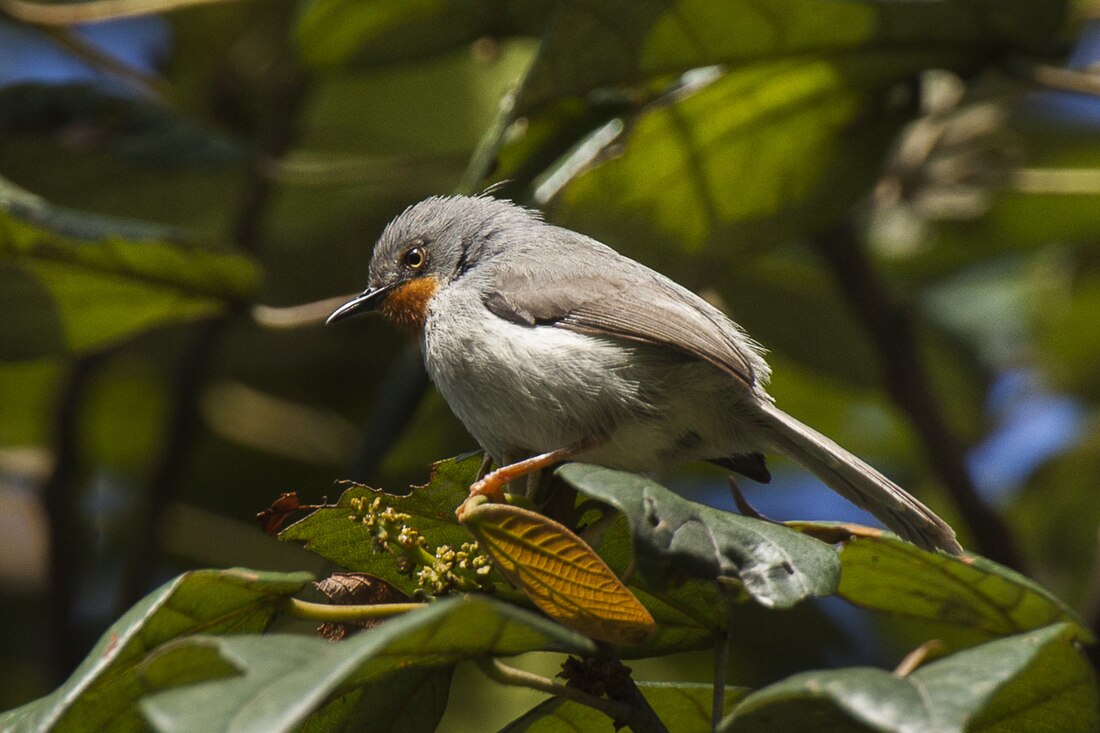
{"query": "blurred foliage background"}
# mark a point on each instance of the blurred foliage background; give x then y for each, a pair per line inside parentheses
(900, 199)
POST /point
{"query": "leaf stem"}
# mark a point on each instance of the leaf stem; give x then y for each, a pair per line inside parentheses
(500, 672)
(334, 613)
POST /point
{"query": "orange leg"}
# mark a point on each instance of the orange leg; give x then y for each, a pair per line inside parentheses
(492, 484)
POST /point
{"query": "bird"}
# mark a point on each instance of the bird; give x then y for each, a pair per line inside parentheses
(550, 346)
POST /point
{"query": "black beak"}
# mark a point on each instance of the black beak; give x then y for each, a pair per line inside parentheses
(366, 301)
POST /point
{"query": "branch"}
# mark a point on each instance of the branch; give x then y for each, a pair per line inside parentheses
(891, 329)
(62, 506)
(95, 11)
(500, 672)
(184, 422)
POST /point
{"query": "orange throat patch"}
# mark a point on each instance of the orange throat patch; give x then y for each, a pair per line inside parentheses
(407, 305)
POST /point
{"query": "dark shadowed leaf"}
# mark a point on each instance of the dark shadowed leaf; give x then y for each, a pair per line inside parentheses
(341, 32)
(683, 708)
(134, 128)
(283, 678)
(82, 281)
(595, 43)
(102, 693)
(406, 701)
(676, 539)
(1034, 681)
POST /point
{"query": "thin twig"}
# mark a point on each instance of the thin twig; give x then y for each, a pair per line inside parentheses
(721, 663)
(643, 718)
(95, 11)
(395, 403)
(62, 507)
(184, 423)
(337, 613)
(893, 333)
(95, 57)
(500, 672)
(917, 657)
(1067, 80)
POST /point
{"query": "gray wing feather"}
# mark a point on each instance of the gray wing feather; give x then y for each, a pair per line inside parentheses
(640, 306)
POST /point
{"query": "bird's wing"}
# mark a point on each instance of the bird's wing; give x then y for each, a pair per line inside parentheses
(634, 303)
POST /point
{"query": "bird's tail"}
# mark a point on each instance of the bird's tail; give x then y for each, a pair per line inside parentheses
(858, 482)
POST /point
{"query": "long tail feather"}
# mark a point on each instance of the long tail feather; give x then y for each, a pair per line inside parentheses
(858, 482)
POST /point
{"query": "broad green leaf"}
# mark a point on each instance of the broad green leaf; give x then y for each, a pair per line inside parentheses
(559, 572)
(134, 128)
(101, 694)
(1068, 335)
(1033, 681)
(338, 535)
(968, 594)
(690, 615)
(81, 281)
(406, 701)
(759, 154)
(375, 32)
(676, 539)
(1055, 516)
(596, 43)
(283, 678)
(27, 392)
(682, 707)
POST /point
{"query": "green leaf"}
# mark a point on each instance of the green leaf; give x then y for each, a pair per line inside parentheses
(970, 594)
(134, 128)
(338, 536)
(1034, 681)
(81, 281)
(598, 43)
(102, 692)
(285, 678)
(759, 154)
(343, 32)
(407, 701)
(676, 539)
(682, 707)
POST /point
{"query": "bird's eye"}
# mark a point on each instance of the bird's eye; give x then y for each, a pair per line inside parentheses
(415, 258)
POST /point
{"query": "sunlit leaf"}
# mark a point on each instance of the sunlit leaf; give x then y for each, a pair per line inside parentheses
(1034, 681)
(102, 693)
(81, 281)
(339, 536)
(970, 594)
(760, 154)
(284, 678)
(559, 572)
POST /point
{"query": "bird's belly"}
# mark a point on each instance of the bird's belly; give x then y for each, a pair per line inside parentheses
(521, 389)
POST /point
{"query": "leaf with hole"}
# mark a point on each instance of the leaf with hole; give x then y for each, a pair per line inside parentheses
(676, 539)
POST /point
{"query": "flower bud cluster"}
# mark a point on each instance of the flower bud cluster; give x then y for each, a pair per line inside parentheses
(463, 569)
(437, 572)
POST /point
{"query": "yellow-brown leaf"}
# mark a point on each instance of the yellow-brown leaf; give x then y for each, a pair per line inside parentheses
(559, 572)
